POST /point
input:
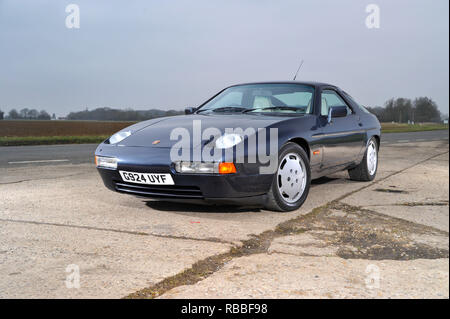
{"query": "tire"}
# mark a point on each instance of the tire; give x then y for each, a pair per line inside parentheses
(292, 160)
(367, 169)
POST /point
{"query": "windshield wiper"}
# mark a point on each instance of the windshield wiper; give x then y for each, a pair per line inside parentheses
(226, 109)
(281, 107)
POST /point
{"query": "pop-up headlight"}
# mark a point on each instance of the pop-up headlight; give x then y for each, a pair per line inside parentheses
(119, 136)
(228, 140)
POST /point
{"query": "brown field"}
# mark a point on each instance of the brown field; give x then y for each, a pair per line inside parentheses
(69, 132)
(100, 128)
(59, 128)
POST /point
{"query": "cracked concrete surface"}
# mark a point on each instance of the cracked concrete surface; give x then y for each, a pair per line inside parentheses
(34, 258)
(61, 215)
(335, 250)
(288, 276)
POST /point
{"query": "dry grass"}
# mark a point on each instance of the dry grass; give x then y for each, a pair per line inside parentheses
(399, 128)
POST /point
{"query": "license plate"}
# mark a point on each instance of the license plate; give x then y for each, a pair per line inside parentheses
(147, 178)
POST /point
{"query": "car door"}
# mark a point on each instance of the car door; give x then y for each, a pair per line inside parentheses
(343, 137)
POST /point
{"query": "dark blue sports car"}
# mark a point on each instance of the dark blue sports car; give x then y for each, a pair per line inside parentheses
(250, 144)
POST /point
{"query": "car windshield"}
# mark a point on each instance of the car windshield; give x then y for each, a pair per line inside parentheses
(262, 98)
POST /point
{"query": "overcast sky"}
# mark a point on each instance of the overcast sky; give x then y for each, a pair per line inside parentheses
(172, 54)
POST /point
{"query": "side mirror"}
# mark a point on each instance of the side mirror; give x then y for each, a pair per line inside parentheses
(337, 111)
(189, 110)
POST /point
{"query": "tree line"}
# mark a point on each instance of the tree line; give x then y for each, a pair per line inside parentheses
(27, 114)
(401, 110)
(98, 114)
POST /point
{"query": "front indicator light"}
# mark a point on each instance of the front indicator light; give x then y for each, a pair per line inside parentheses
(106, 162)
(227, 168)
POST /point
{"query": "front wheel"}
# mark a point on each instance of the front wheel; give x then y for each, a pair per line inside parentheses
(367, 169)
(290, 185)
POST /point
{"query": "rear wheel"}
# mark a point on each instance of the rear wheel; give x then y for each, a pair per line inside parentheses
(291, 182)
(367, 169)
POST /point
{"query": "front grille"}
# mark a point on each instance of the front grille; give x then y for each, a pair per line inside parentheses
(161, 191)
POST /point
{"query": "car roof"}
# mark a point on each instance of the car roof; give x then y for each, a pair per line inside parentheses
(310, 83)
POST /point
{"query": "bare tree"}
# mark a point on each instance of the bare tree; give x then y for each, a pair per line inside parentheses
(426, 110)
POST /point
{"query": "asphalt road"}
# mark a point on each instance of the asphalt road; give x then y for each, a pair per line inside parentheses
(414, 136)
(13, 156)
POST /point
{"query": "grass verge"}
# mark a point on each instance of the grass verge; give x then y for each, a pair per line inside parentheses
(401, 128)
(49, 140)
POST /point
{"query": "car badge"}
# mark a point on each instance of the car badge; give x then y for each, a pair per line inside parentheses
(156, 142)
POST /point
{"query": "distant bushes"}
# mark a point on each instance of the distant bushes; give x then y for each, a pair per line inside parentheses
(98, 114)
(28, 114)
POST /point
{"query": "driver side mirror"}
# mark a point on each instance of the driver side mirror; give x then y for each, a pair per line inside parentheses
(189, 110)
(336, 111)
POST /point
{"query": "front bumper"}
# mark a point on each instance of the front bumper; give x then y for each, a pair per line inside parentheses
(245, 184)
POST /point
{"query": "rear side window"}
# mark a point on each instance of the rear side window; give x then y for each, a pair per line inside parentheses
(362, 108)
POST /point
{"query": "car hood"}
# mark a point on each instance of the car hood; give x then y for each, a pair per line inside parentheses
(157, 132)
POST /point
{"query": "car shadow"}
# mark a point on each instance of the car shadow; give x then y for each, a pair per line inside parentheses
(179, 207)
(199, 208)
(337, 179)
(324, 180)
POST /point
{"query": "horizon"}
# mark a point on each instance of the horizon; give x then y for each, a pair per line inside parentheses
(443, 115)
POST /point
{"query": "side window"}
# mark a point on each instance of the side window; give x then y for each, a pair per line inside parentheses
(331, 98)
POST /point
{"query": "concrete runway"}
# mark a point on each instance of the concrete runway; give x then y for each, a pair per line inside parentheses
(55, 216)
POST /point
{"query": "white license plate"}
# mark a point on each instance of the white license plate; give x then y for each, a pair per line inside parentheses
(147, 178)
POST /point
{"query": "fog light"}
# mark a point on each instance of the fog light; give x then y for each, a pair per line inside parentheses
(206, 167)
(184, 167)
(106, 162)
(227, 168)
(197, 167)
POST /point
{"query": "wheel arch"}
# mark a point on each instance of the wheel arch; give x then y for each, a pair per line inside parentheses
(303, 144)
(378, 139)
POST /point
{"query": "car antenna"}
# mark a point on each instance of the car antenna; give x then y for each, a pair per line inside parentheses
(295, 76)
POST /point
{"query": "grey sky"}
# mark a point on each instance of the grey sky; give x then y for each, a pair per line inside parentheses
(172, 54)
